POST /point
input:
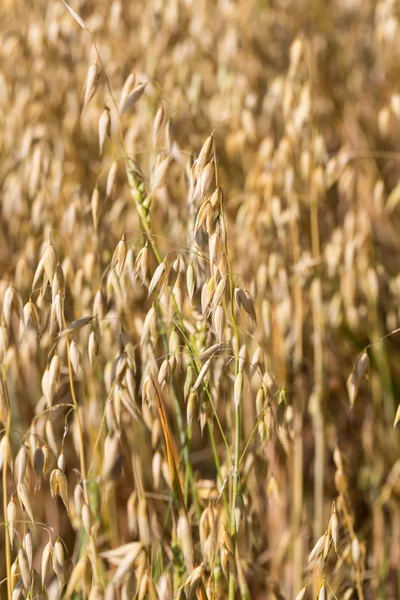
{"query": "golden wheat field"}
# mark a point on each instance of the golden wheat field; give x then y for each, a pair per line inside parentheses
(200, 299)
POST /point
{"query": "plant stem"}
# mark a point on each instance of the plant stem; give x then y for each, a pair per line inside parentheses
(298, 406)
(6, 455)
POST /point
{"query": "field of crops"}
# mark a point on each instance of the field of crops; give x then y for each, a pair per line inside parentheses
(200, 299)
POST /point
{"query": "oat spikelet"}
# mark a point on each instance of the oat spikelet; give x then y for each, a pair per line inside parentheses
(11, 518)
(59, 486)
(75, 15)
(158, 121)
(133, 97)
(92, 83)
(23, 497)
(104, 128)
(158, 277)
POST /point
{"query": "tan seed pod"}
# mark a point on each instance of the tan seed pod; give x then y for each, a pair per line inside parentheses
(12, 519)
(334, 527)
(95, 593)
(208, 535)
(91, 84)
(59, 486)
(248, 306)
(46, 558)
(219, 322)
(190, 281)
(21, 462)
(209, 352)
(50, 261)
(322, 593)
(174, 344)
(17, 591)
(95, 207)
(58, 559)
(128, 402)
(164, 374)
(61, 462)
(159, 175)
(119, 256)
(111, 418)
(243, 357)
(75, 15)
(353, 384)
(207, 294)
(204, 155)
(48, 459)
(206, 178)
(270, 384)
(24, 568)
(227, 562)
(23, 497)
(215, 248)
(28, 547)
(158, 277)
(112, 461)
(141, 264)
(126, 90)
(164, 587)
(218, 294)
(257, 360)
(355, 550)
(317, 550)
(15, 573)
(12, 302)
(169, 134)
(156, 469)
(201, 216)
(194, 579)
(143, 521)
(191, 408)
(132, 514)
(327, 546)
(158, 121)
(57, 310)
(93, 348)
(78, 577)
(133, 97)
(104, 127)
(30, 318)
(4, 450)
(74, 355)
(362, 366)
(203, 372)
(54, 374)
(144, 584)
(184, 534)
(150, 324)
(260, 401)
(110, 184)
(110, 593)
(301, 594)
